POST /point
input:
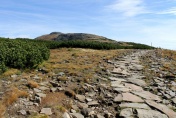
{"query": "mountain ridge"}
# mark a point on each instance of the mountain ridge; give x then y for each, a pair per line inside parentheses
(59, 36)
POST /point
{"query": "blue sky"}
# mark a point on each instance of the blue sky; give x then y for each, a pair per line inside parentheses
(142, 21)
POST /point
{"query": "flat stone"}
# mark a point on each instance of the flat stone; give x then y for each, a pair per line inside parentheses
(88, 99)
(134, 105)
(173, 88)
(126, 113)
(77, 115)
(117, 70)
(53, 89)
(172, 94)
(28, 103)
(131, 98)
(142, 113)
(43, 88)
(82, 105)
(120, 71)
(118, 98)
(133, 87)
(23, 112)
(137, 81)
(37, 90)
(122, 89)
(46, 111)
(93, 103)
(55, 84)
(65, 115)
(147, 95)
(14, 76)
(81, 98)
(99, 116)
(115, 83)
(85, 112)
(91, 94)
(162, 108)
(174, 100)
(42, 95)
(116, 79)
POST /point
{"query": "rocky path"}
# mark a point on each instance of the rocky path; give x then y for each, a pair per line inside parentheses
(136, 87)
(126, 94)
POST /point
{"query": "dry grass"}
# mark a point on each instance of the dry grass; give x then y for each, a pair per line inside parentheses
(53, 99)
(33, 84)
(171, 56)
(2, 109)
(79, 62)
(13, 95)
(10, 72)
(10, 97)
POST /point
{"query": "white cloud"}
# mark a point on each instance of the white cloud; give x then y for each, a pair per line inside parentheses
(128, 8)
(169, 11)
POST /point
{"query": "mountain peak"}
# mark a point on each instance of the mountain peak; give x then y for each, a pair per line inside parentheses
(59, 36)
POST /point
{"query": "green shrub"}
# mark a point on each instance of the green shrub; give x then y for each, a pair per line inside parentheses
(21, 54)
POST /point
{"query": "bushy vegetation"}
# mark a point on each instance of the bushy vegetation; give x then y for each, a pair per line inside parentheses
(92, 45)
(21, 54)
(26, 53)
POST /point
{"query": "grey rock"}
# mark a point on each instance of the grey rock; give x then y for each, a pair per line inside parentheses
(28, 103)
(61, 74)
(137, 81)
(14, 76)
(72, 111)
(127, 112)
(134, 105)
(142, 113)
(82, 105)
(147, 95)
(122, 89)
(77, 115)
(174, 100)
(81, 98)
(133, 87)
(88, 99)
(31, 112)
(118, 98)
(38, 99)
(53, 89)
(107, 115)
(98, 116)
(137, 67)
(42, 95)
(91, 94)
(22, 112)
(93, 103)
(37, 90)
(116, 79)
(85, 112)
(55, 84)
(46, 111)
(36, 77)
(65, 115)
(172, 94)
(115, 83)
(131, 98)
(43, 88)
(162, 108)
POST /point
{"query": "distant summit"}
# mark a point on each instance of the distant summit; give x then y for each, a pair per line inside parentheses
(59, 36)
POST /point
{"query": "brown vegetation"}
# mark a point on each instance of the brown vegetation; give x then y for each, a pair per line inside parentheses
(32, 84)
(10, 97)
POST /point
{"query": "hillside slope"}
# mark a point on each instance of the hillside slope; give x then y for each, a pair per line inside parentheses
(58, 36)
